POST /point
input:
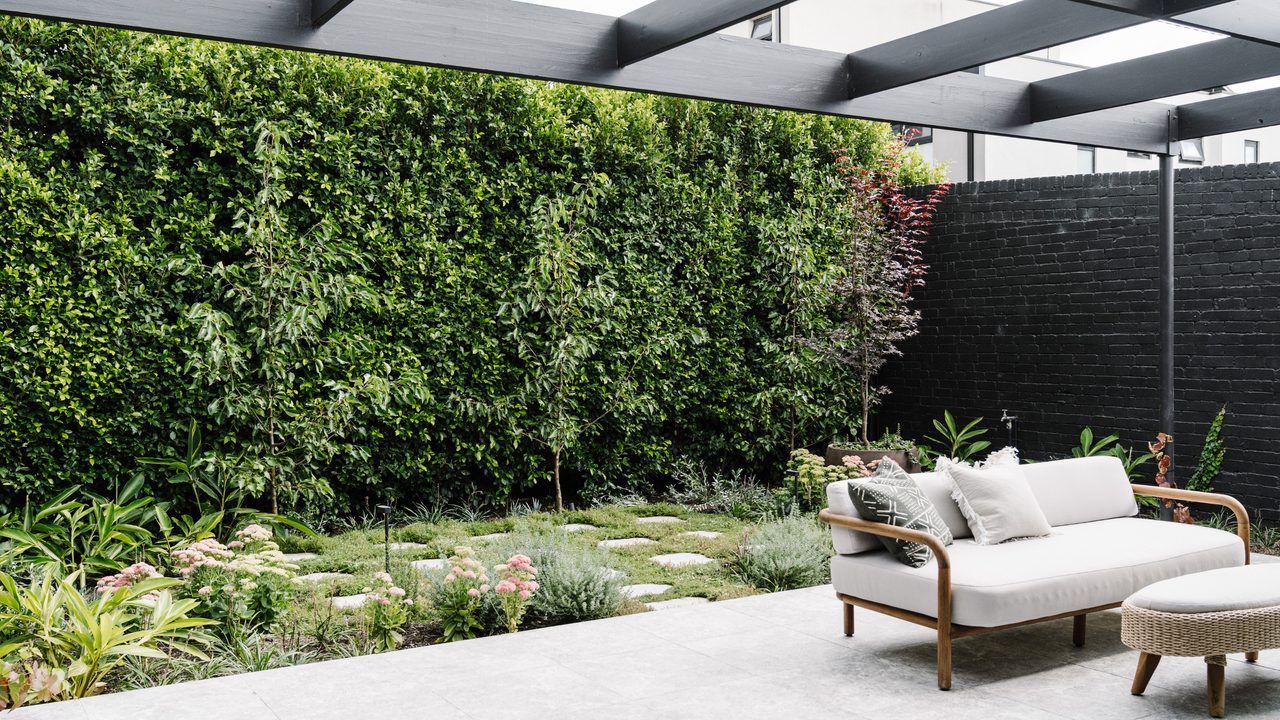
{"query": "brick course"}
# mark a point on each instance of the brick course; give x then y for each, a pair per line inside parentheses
(1041, 299)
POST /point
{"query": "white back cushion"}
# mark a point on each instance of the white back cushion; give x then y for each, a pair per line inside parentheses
(1080, 490)
(935, 487)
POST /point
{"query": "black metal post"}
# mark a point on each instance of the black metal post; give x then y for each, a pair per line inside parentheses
(1167, 172)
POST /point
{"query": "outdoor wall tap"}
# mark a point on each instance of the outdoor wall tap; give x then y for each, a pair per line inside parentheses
(1008, 421)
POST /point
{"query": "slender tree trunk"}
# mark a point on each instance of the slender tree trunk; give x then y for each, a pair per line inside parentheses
(559, 498)
(866, 408)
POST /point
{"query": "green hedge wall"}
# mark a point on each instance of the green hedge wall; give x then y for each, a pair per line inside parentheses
(120, 152)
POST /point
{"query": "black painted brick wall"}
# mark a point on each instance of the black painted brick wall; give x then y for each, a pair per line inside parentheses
(1041, 299)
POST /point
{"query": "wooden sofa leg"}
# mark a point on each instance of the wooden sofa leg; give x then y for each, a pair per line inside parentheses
(1251, 656)
(1146, 668)
(1077, 629)
(848, 620)
(944, 657)
(1217, 688)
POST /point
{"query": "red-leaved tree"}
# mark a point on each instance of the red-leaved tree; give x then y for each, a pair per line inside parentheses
(870, 302)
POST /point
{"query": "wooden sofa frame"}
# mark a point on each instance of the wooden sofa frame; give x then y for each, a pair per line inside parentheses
(947, 630)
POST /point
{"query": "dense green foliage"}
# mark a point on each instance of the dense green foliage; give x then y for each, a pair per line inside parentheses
(125, 160)
(1211, 455)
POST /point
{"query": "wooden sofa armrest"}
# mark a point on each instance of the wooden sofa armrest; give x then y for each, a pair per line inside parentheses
(875, 528)
(1242, 515)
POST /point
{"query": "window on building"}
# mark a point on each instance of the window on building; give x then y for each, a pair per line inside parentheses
(1140, 156)
(918, 137)
(1250, 152)
(762, 28)
(1086, 160)
(1191, 151)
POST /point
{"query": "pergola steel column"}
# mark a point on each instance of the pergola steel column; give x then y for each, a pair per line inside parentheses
(1167, 172)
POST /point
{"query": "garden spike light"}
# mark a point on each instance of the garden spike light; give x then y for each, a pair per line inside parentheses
(386, 511)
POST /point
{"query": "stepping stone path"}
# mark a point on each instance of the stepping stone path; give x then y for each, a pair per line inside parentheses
(635, 591)
(658, 520)
(575, 527)
(295, 557)
(348, 601)
(425, 565)
(681, 559)
(624, 542)
(322, 577)
(405, 546)
(677, 603)
(492, 536)
(701, 533)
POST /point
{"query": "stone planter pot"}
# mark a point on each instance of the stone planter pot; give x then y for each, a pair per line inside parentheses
(835, 456)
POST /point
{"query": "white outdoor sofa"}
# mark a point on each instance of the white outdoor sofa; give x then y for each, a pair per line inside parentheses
(1098, 555)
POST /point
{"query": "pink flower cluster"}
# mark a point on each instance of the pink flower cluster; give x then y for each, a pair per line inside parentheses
(254, 532)
(855, 462)
(517, 577)
(135, 573)
(206, 553)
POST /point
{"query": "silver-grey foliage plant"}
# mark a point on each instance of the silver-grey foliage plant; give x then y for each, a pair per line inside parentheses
(785, 554)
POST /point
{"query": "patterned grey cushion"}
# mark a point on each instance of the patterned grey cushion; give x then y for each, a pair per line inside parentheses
(892, 497)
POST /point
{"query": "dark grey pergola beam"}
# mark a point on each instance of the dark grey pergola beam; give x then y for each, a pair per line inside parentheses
(1230, 114)
(1257, 20)
(322, 11)
(665, 24)
(1190, 69)
(505, 37)
(1153, 9)
(996, 34)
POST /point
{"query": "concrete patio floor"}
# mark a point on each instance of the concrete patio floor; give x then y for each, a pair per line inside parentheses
(769, 656)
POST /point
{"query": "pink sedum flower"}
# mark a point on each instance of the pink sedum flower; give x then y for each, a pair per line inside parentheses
(473, 592)
(524, 594)
(205, 590)
(484, 588)
(506, 586)
(398, 592)
(449, 578)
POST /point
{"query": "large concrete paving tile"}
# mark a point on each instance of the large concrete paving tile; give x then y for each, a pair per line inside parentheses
(744, 699)
(770, 649)
(224, 698)
(321, 577)
(654, 671)
(857, 682)
(676, 603)
(547, 691)
(706, 534)
(685, 625)
(348, 688)
(1084, 694)
(65, 710)
(958, 704)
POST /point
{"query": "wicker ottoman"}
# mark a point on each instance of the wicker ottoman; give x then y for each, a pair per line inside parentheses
(1210, 614)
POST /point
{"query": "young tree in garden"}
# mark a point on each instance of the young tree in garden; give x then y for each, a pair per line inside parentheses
(295, 380)
(882, 263)
(571, 332)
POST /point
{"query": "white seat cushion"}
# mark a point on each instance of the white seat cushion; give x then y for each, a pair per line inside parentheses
(935, 486)
(1234, 588)
(1083, 566)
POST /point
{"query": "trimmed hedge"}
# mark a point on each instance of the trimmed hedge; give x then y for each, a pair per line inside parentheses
(120, 152)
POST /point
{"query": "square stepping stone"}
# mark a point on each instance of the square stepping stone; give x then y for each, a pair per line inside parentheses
(322, 577)
(490, 536)
(677, 603)
(295, 557)
(635, 591)
(624, 542)
(348, 601)
(575, 527)
(681, 559)
(658, 520)
(425, 565)
(701, 533)
(405, 546)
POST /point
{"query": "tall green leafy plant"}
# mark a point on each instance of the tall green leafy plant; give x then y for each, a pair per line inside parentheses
(1211, 455)
(1089, 448)
(958, 442)
(564, 318)
(275, 350)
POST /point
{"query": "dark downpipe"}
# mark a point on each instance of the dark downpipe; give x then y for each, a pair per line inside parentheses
(1167, 172)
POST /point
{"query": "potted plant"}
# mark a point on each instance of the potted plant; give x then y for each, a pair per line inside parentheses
(891, 445)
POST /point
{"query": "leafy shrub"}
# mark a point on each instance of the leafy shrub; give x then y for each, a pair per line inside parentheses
(733, 493)
(246, 584)
(578, 585)
(784, 555)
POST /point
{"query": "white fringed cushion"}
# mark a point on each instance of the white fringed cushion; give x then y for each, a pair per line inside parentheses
(996, 501)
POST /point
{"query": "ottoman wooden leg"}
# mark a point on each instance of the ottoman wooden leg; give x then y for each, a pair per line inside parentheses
(1077, 630)
(1251, 656)
(1217, 685)
(1146, 668)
